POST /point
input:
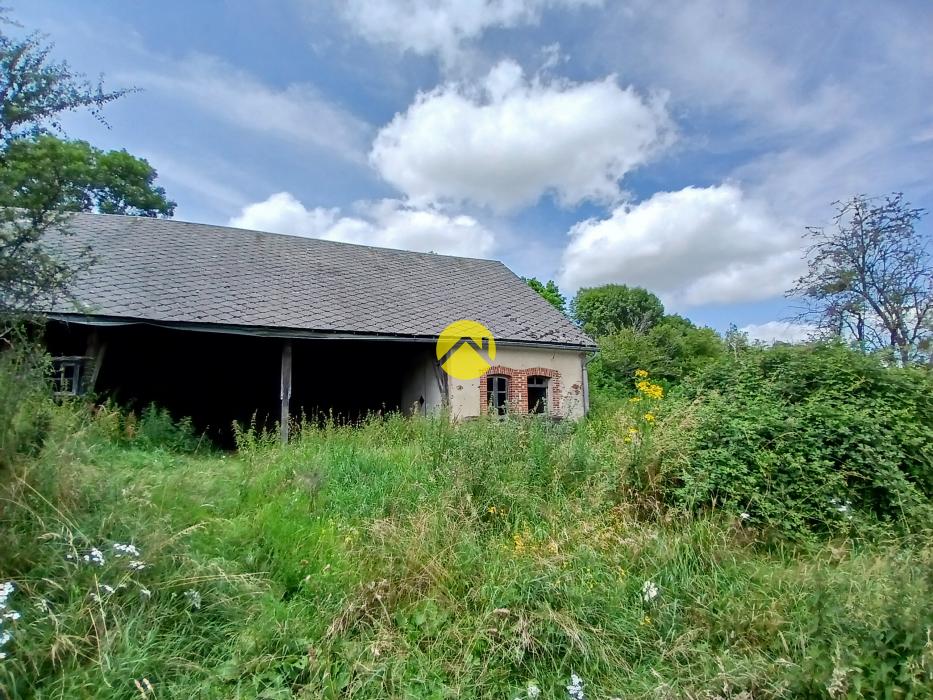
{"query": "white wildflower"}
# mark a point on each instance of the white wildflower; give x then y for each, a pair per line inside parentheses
(194, 598)
(6, 590)
(145, 593)
(136, 565)
(533, 691)
(2, 655)
(125, 550)
(575, 689)
(107, 589)
(843, 507)
(95, 556)
(649, 591)
(745, 516)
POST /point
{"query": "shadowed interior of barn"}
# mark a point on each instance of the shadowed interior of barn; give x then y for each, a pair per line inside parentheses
(218, 378)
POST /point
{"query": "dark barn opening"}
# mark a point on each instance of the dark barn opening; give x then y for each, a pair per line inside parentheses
(348, 379)
(219, 378)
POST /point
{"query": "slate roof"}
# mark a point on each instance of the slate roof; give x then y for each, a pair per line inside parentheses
(175, 272)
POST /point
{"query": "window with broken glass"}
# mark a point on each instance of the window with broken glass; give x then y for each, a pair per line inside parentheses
(537, 394)
(497, 393)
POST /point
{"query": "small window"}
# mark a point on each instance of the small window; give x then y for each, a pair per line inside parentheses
(497, 390)
(66, 375)
(537, 394)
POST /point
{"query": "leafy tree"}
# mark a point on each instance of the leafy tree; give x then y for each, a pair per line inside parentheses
(671, 350)
(612, 307)
(549, 291)
(870, 277)
(736, 340)
(35, 91)
(685, 348)
(47, 173)
(42, 178)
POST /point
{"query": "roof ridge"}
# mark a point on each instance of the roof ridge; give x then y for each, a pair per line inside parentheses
(224, 228)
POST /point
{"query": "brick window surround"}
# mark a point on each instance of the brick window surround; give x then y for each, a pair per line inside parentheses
(518, 388)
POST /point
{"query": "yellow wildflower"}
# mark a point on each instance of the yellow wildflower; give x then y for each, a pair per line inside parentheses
(647, 620)
(641, 373)
(492, 509)
(652, 391)
(649, 417)
(519, 543)
(635, 399)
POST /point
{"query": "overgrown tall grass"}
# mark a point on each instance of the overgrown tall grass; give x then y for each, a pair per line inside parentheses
(416, 558)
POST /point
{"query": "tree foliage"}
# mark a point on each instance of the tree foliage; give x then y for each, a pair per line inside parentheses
(612, 307)
(870, 276)
(35, 90)
(549, 291)
(43, 178)
(671, 350)
(46, 173)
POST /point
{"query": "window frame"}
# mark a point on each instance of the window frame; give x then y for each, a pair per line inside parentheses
(543, 382)
(493, 391)
(73, 383)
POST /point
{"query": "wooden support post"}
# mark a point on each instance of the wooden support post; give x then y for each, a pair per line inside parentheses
(285, 392)
(96, 349)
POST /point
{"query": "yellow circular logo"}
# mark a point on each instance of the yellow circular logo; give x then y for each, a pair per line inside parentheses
(466, 349)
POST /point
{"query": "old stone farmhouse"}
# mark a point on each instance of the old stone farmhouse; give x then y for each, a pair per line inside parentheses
(223, 324)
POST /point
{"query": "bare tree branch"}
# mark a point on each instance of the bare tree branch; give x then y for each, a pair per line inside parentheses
(870, 278)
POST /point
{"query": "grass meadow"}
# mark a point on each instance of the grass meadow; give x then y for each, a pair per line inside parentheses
(420, 558)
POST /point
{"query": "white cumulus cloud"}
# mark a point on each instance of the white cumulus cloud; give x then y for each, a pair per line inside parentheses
(387, 223)
(442, 26)
(509, 140)
(779, 332)
(693, 246)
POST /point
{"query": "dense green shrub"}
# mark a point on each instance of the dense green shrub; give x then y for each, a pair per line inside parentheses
(158, 430)
(671, 350)
(815, 438)
(24, 399)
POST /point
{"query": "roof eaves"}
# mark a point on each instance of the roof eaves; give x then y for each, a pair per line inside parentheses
(293, 333)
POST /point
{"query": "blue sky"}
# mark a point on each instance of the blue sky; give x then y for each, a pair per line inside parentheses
(681, 146)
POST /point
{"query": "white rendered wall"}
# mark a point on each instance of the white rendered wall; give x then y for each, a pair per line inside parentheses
(465, 396)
